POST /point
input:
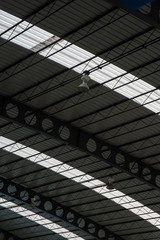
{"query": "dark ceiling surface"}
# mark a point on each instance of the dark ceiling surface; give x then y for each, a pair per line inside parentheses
(49, 88)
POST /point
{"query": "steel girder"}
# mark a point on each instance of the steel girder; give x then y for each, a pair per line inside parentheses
(7, 236)
(149, 14)
(56, 209)
(37, 120)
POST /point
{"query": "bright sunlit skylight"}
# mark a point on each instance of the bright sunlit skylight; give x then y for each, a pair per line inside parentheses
(38, 219)
(80, 177)
(36, 38)
(29, 39)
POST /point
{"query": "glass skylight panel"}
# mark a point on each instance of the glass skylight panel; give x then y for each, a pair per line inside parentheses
(36, 38)
(42, 44)
(27, 39)
(46, 223)
(154, 107)
(80, 177)
(128, 85)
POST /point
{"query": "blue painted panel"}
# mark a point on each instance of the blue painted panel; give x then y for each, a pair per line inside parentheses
(135, 4)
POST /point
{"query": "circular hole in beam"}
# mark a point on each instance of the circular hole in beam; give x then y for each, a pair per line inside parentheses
(91, 228)
(64, 132)
(11, 190)
(134, 168)
(105, 152)
(147, 174)
(59, 211)
(24, 195)
(101, 233)
(30, 118)
(37, 200)
(48, 206)
(81, 222)
(91, 145)
(47, 125)
(70, 217)
(12, 110)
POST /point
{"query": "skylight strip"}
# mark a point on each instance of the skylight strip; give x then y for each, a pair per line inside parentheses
(33, 34)
(27, 35)
(132, 89)
(73, 55)
(46, 223)
(100, 76)
(22, 42)
(82, 178)
(12, 20)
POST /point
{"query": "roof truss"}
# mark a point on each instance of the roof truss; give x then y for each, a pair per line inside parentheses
(56, 209)
(29, 117)
(67, 134)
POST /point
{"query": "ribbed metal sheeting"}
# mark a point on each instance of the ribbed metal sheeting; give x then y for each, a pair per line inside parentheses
(22, 227)
(75, 195)
(108, 115)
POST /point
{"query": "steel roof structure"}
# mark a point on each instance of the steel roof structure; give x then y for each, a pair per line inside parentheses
(59, 147)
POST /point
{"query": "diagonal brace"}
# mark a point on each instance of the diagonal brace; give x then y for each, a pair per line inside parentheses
(38, 121)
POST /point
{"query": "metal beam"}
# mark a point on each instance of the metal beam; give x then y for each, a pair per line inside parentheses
(33, 55)
(132, 38)
(32, 14)
(149, 14)
(64, 132)
(56, 209)
(119, 102)
(7, 236)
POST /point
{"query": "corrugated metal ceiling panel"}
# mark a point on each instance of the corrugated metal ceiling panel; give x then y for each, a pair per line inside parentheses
(67, 192)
